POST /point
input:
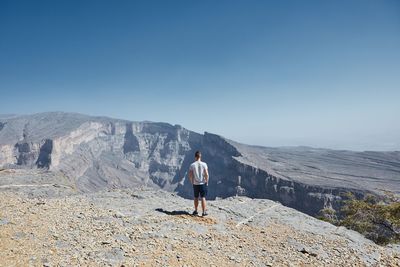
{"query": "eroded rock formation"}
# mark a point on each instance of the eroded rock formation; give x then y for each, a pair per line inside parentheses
(98, 152)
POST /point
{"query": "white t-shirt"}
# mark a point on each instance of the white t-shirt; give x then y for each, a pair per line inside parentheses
(199, 171)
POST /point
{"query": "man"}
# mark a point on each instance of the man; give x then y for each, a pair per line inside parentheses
(198, 175)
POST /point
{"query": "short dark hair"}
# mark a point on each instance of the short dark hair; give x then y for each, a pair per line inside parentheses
(197, 154)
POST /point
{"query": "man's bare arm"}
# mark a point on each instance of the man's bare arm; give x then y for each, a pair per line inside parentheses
(206, 176)
(191, 176)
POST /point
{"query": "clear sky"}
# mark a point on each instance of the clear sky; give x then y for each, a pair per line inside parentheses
(317, 73)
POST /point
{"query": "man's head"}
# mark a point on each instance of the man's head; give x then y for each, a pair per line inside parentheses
(197, 155)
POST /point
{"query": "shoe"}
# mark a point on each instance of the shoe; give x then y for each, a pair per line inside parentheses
(204, 213)
(195, 213)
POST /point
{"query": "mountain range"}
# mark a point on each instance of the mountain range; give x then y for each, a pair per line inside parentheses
(95, 153)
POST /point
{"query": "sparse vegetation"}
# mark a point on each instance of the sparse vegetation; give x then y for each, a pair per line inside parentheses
(376, 219)
(328, 215)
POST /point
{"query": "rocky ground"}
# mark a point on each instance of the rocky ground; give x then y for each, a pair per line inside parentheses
(50, 225)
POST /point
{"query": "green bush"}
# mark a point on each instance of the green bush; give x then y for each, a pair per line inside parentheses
(328, 215)
(378, 220)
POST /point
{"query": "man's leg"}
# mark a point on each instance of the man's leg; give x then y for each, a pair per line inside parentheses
(196, 198)
(203, 194)
(203, 204)
(196, 203)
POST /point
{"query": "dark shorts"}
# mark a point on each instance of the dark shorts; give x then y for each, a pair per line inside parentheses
(200, 189)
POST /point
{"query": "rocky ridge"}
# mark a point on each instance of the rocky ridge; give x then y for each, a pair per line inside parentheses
(48, 223)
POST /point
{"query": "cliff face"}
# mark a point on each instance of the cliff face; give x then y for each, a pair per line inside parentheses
(231, 176)
(97, 152)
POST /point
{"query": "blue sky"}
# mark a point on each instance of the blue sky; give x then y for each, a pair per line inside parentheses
(317, 73)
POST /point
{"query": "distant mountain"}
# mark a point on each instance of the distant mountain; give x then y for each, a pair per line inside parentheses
(99, 152)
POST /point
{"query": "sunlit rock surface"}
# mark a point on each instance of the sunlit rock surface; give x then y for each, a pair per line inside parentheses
(45, 221)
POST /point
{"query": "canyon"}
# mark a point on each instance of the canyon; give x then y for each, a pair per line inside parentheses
(97, 153)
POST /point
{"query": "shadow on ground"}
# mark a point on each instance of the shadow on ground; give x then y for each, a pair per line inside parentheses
(174, 212)
(188, 216)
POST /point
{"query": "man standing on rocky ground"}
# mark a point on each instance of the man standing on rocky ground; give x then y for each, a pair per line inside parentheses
(198, 175)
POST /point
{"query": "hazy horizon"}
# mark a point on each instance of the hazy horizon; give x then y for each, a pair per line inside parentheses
(283, 73)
